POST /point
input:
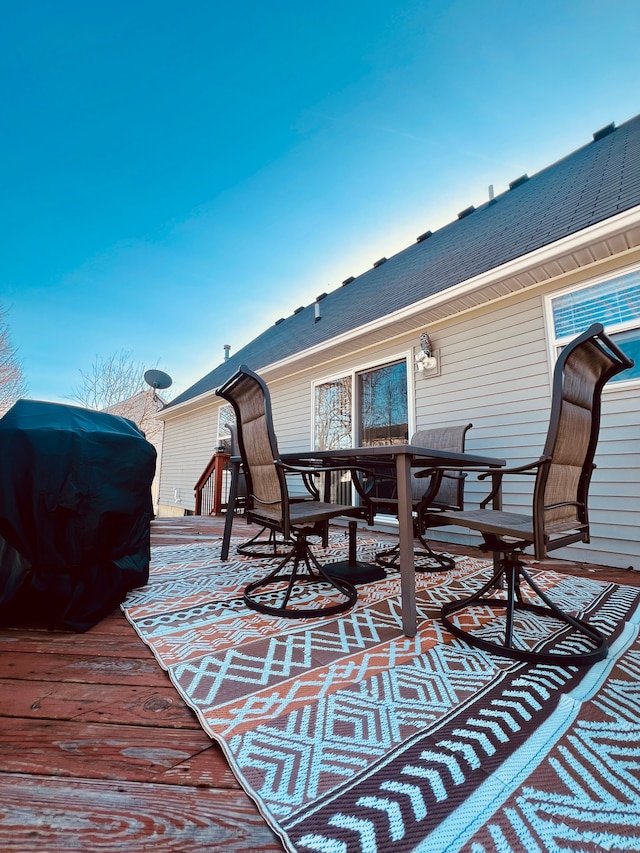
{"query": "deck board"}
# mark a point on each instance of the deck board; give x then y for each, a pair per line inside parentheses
(117, 704)
(80, 815)
(86, 669)
(118, 645)
(104, 751)
(98, 752)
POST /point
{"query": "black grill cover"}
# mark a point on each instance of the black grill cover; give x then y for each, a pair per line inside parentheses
(75, 513)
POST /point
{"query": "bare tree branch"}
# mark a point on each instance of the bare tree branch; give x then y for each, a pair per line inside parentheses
(12, 382)
(116, 385)
(110, 381)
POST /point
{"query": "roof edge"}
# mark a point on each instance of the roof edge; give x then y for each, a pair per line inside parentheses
(600, 230)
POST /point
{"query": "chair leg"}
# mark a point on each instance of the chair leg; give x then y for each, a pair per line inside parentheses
(512, 571)
(269, 547)
(272, 594)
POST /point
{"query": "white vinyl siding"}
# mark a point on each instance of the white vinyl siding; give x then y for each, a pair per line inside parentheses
(291, 404)
(189, 443)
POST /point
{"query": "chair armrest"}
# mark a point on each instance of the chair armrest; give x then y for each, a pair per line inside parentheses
(496, 474)
(529, 468)
(483, 473)
(316, 469)
(307, 472)
(448, 473)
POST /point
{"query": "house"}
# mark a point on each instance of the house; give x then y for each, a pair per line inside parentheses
(492, 296)
(141, 408)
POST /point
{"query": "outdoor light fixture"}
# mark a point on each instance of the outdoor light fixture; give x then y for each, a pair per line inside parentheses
(425, 359)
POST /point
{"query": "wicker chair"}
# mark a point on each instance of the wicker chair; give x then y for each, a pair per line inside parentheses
(270, 505)
(430, 491)
(559, 512)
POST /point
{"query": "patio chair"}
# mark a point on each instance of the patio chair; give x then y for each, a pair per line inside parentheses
(270, 504)
(558, 516)
(258, 545)
(432, 492)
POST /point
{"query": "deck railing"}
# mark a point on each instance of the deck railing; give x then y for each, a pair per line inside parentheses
(212, 489)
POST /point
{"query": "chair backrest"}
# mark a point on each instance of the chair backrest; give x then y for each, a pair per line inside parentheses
(267, 493)
(562, 483)
(451, 492)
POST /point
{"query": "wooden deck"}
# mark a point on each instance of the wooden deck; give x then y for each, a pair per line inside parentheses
(98, 752)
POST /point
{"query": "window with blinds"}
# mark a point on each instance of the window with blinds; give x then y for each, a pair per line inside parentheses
(615, 303)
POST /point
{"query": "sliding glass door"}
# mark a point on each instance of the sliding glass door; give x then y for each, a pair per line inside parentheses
(333, 414)
(376, 415)
(383, 409)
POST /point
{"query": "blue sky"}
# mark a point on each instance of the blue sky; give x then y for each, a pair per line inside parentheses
(176, 176)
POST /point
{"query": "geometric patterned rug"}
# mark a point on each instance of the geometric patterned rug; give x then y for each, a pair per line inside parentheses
(352, 737)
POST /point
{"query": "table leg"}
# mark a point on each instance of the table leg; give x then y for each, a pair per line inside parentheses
(405, 535)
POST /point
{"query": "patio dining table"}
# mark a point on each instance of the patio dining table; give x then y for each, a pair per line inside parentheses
(405, 457)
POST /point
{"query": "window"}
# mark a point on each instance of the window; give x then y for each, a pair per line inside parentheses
(615, 303)
(383, 405)
(226, 416)
(377, 415)
(333, 416)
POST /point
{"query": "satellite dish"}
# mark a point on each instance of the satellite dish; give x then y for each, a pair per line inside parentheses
(157, 379)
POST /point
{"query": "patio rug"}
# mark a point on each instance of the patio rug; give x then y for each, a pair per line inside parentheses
(350, 736)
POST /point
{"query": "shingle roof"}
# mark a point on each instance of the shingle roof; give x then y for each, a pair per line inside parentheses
(588, 186)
